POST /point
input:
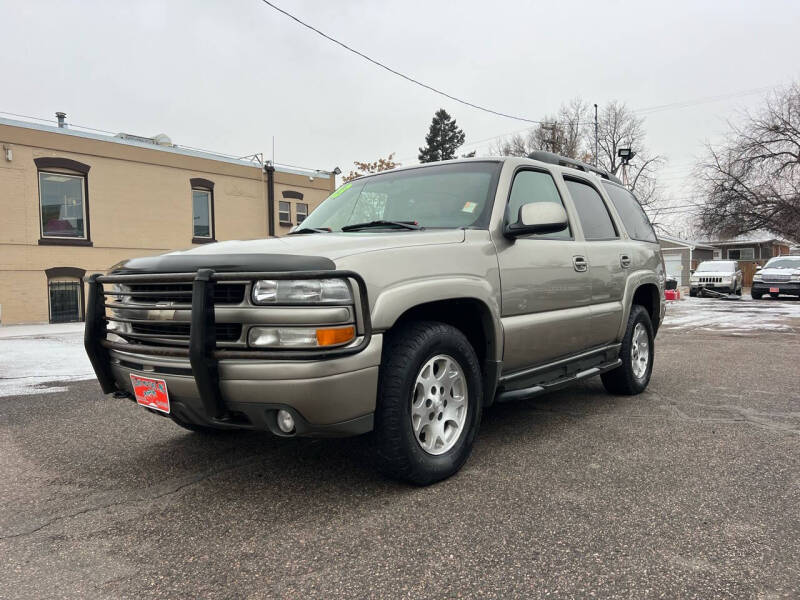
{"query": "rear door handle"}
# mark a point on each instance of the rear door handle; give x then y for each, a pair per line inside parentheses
(580, 264)
(624, 261)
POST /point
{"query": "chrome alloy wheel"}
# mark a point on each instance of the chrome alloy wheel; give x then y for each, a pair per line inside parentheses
(640, 351)
(439, 404)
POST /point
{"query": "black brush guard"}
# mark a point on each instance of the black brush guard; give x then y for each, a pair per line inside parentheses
(202, 351)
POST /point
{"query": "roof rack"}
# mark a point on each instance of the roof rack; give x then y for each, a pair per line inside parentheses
(564, 161)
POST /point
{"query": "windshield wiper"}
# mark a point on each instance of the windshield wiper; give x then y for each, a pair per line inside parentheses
(311, 230)
(382, 223)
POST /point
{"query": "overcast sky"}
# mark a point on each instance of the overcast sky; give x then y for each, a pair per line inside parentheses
(230, 75)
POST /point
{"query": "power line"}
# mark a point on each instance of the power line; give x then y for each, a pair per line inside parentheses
(396, 72)
(687, 103)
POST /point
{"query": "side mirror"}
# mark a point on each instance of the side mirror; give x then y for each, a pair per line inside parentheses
(538, 217)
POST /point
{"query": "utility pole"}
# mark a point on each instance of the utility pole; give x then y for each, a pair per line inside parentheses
(551, 141)
(595, 135)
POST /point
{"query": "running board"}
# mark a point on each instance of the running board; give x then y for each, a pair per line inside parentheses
(529, 392)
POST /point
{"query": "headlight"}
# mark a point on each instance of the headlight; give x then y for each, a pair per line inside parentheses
(301, 291)
(300, 337)
(757, 277)
(694, 278)
(795, 277)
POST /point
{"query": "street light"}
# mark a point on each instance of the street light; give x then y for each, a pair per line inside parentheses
(626, 154)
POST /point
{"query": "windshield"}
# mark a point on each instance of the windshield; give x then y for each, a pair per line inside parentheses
(722, 266)
(449, 196)
(784, 263)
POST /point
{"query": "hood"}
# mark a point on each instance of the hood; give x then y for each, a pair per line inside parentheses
(314, 251)
(713, 273)
(780, 271)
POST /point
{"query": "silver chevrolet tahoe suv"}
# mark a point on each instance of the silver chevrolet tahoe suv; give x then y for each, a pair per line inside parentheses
(404, 305)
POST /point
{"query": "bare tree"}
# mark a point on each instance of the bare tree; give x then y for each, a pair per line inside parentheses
(618, 128)
(364, 168)
(571, 134)
(752, 180)
(563, 134)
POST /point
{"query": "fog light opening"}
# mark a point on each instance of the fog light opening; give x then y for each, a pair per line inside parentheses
(285, 421)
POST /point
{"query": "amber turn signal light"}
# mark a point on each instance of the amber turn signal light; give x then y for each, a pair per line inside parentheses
(332, 337)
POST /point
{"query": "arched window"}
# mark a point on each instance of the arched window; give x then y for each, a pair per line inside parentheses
(63, 201)
(202, 211)
(65, 294)
(285, 208)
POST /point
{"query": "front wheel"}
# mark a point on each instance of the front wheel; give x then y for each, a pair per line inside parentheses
(636, 353)
(429, 403)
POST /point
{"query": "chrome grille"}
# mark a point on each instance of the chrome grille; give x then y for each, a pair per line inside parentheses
(159, 313)
(710, 279)
(179, 332)
(151, 293)
(776, 278)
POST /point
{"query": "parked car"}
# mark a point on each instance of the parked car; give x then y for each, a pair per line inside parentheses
(722, 276)
(781, 275)
(404, 305)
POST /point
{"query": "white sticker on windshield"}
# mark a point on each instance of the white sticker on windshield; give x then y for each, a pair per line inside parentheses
(469, 207)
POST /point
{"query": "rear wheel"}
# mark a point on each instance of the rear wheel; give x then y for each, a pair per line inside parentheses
(429, 403)
(756, 295)
(636, 353)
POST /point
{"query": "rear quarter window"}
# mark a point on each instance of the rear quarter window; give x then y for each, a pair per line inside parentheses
(630, 211)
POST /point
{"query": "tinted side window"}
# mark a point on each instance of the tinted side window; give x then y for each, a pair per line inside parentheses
(631, 213)
(592, 211)
(535, 186)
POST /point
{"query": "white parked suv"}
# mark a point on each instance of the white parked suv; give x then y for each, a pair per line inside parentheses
(722, 276)
(781, 275)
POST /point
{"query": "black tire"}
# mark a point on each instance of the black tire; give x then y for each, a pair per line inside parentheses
(398, 453)
(622, 380)
(756, 295)
(692, 293)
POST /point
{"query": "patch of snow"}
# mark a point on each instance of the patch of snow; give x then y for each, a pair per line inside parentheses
(758, 236)
(738, 317)
(35, 358)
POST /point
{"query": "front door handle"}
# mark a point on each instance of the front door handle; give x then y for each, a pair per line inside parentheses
(624, 261)
(580, 264)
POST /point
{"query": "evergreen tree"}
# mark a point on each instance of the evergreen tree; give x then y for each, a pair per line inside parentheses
(443, 139)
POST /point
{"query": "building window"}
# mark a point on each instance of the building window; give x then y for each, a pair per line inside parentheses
(284, 213)
(741, 254)
(65, 301)
(717, 254)
(302, 212)
(63, 201)
(65, 294)
(202, 211)
(63, 205)
(285, 207)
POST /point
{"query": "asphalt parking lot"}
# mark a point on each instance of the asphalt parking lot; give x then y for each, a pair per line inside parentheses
(689, 490)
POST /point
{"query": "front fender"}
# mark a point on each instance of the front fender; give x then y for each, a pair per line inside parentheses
(396, 299)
